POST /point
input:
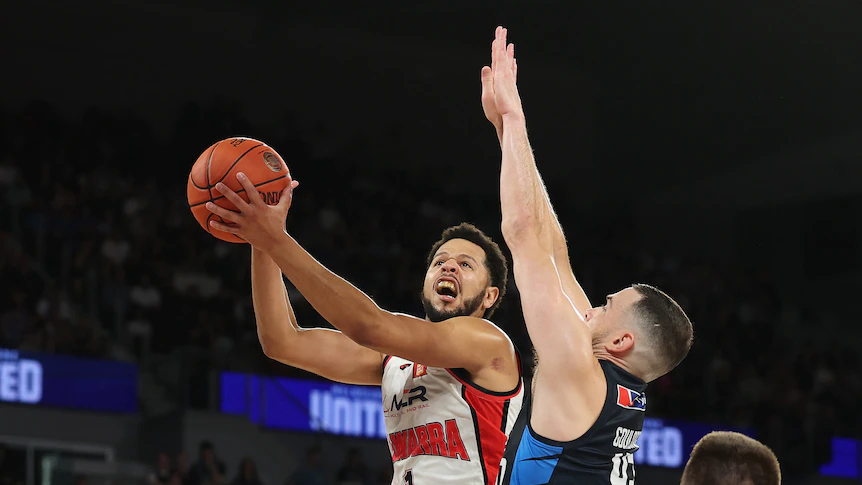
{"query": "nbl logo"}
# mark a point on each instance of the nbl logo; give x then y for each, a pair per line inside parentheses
(629, 399)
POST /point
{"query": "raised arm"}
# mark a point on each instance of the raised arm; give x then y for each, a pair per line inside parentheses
(569, 375)
(465, 342)
(531, 230)
(318, 350)
(558, 240)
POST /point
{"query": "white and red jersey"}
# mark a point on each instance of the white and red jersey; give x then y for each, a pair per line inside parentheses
(442, 428)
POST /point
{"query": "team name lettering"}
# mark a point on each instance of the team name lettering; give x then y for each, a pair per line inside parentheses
(429, 439)
(626, 439)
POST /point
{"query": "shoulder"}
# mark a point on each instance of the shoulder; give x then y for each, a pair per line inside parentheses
(481, 325)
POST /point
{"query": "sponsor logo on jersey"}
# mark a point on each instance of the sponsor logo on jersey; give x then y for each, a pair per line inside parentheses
(404, 366)
(419, 370)
(626, 439)
(429, 439)
(408, 397)
(629, 399)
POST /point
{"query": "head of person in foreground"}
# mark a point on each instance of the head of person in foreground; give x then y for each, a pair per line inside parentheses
(729, 458)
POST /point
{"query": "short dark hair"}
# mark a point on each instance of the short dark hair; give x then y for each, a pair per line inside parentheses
(726, 457)
(668, 327)
(495, 262)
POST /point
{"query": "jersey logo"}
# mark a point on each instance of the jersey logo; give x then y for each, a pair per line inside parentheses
(419, 370)
(410, 395)
(404, 366)
(438, 439)
(626, 398)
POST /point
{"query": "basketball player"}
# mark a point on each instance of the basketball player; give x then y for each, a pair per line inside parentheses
(729, 458)
(451, 383)
(581, 423)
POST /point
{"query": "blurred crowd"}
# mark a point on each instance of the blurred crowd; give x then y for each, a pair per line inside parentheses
(313, 469)
(100, 256)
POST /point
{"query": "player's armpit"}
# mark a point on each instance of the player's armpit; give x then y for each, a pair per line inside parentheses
(461, 342)
(330, 354)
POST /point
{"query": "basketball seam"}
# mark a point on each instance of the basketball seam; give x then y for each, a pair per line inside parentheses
(234, 163)
(238, 191)
(195, 184)
(209, 160)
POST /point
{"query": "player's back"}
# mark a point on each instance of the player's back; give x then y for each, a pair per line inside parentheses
(601, 456)
(442, 428)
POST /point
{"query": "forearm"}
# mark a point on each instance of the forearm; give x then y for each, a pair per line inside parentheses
(523, 198)
(277, 328)
(318, 350)
(343, 305)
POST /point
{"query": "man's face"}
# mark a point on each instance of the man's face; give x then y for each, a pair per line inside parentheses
(456, 283)
(606, 319)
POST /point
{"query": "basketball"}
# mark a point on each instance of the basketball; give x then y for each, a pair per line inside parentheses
(220, 163)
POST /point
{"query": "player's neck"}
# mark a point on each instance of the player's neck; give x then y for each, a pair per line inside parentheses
(602, 354)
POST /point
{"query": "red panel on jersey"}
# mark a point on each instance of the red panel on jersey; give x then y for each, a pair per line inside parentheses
(489, 420)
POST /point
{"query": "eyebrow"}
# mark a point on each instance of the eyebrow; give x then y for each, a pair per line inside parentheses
(444, 253)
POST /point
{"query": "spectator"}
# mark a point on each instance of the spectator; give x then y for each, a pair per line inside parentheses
(311, 472)
(183, 469)
(162, 473)
(247, 474)
(209, 469)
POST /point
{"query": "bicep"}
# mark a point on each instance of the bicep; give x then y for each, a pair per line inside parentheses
(571, 287)
(556, 328)
(570, 284)
(331, 354)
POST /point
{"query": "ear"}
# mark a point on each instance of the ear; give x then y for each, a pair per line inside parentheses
(620, 343)
(492, 293)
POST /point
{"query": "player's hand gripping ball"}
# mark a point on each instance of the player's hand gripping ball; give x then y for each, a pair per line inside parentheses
(220, 163)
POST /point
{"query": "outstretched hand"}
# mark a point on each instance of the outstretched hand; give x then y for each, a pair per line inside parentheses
(258, 223)
(499, 89)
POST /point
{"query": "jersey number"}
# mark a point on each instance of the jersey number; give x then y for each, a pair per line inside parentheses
(408, 477)
(623, 472)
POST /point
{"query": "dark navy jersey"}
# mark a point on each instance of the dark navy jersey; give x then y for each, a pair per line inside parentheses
(601, 456)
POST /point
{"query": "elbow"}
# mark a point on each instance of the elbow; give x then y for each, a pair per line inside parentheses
(269, 348)
(273, 348)
(519, 227)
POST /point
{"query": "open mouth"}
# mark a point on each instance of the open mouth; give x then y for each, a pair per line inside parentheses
(447, 289)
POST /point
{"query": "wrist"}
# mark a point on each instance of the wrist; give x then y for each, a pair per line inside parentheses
(271, 242)
(513, 117)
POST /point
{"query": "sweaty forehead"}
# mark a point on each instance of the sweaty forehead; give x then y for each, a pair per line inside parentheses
(462, 246)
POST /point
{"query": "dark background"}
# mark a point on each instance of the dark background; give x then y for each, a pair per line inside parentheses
(713, 150)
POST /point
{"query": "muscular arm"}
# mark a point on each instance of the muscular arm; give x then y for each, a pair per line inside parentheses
(532, 233)
(569, 376)
(522, 164)
(463, 342)
(321, 351)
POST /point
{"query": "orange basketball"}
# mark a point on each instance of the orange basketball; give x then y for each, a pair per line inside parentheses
(220, 163)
